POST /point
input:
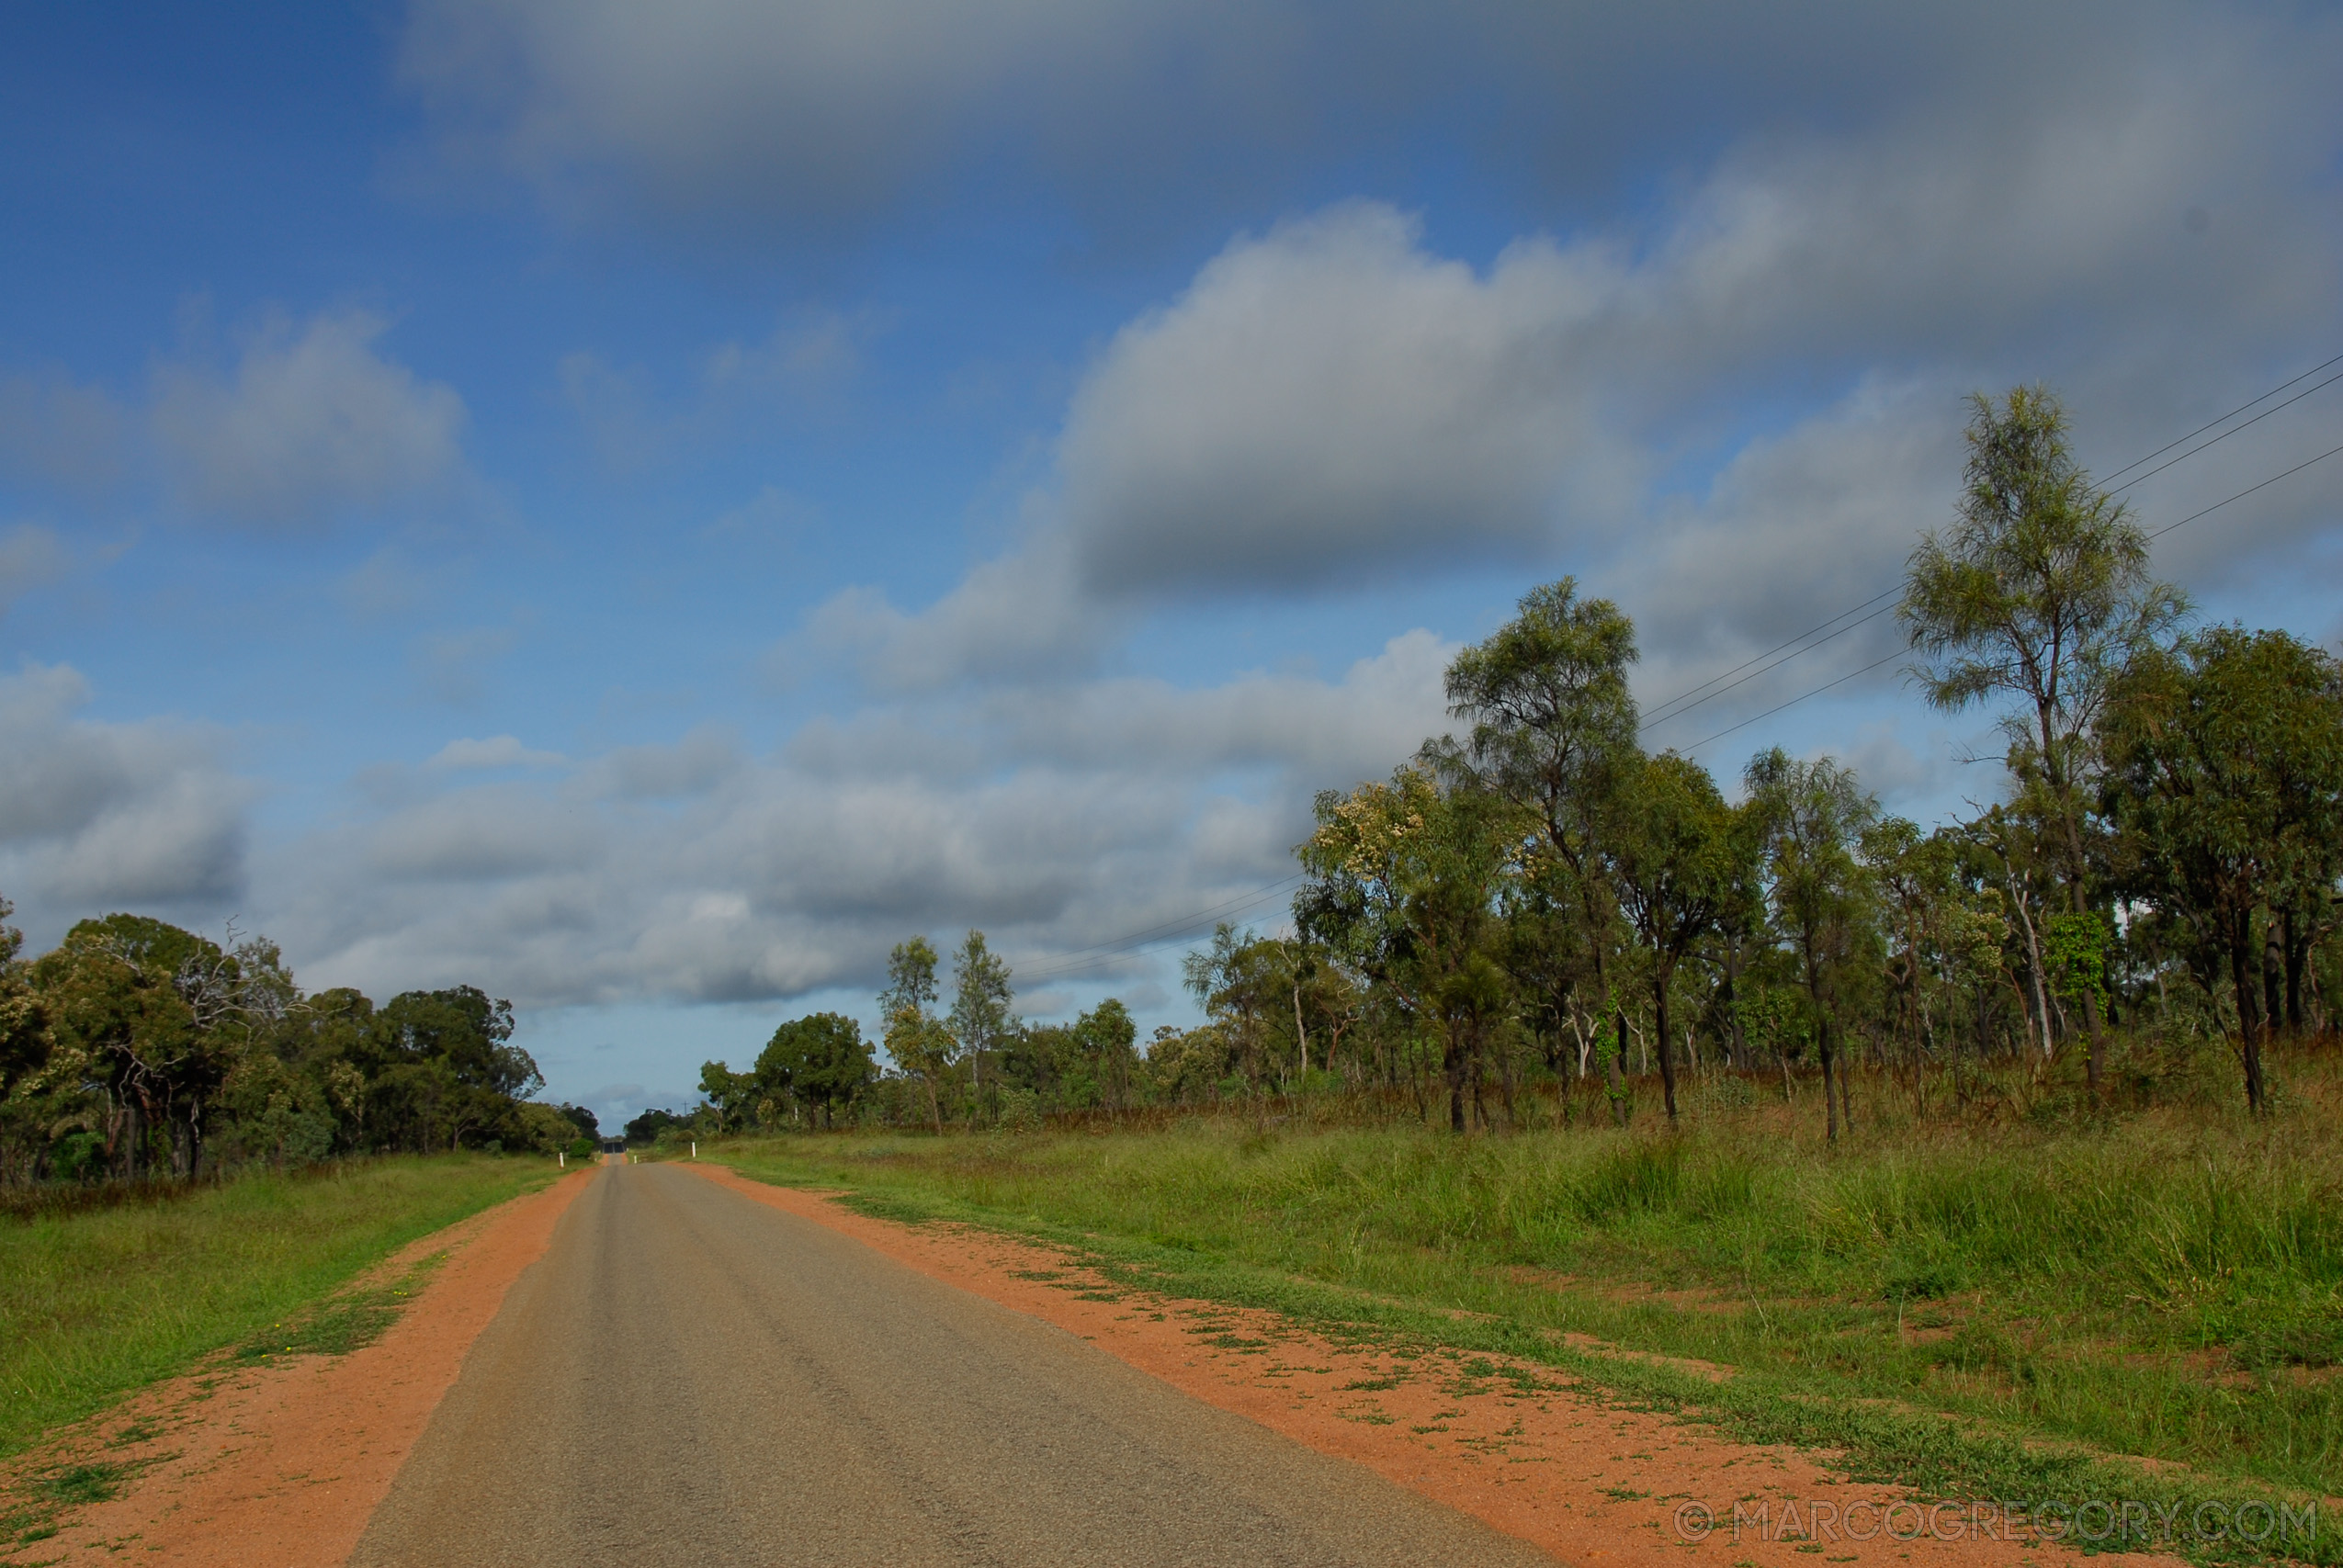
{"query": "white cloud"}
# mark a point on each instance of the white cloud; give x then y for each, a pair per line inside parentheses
(30, 557)
(804, 367)
(1733, 410)
(1045, 815)
(1334, 400)
(496, 751)
(837, 113)
(96, 816)
(314, 423)
(56, 432)
(814, 106)
(1023, 616)
(1325, 402)
(452, 666)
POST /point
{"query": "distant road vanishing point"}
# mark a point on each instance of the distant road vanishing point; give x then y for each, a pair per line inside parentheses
(688, 1377)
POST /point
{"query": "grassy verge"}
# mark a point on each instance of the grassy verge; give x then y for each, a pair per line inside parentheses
(93, 1306)
(1973, 1313)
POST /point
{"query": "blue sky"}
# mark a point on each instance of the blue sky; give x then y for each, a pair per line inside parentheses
(642, 508)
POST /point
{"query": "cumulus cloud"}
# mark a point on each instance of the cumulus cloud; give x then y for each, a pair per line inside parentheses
(803, 367)
(1733, 408)
(30, 557)
(313, 422)
(696, 872)
(453, 666)
(841, 112)
(96, 816)
(1333, 399)
(1024, 616)
(55, 432)
(1325, 402)
(818, 109)
(496, 751)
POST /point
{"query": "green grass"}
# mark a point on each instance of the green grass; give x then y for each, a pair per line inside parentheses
(1932, 1301)
(95, 1305)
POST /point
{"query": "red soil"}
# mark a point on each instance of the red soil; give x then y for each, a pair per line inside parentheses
(280, 1466)
(1551, 1464)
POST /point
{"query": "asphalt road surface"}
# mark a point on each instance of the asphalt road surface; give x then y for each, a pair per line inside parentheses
(688, 1377)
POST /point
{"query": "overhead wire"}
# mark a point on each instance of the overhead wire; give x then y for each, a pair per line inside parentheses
(1101, 955)
(2156, 533)
(1696, 696)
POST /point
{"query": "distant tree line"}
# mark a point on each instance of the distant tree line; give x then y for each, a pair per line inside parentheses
(1537, 902)
(1541, 897)
(136, 1049)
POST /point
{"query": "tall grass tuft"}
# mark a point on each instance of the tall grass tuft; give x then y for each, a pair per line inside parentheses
(95, 1303)
(2165, 1283)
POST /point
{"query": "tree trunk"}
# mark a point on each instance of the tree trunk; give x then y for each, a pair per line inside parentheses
(2095, 1044)
(2298, 948)
(1737, 1044)
(1454, 1069)
(2078, 864)
(2034, 967)
(1659, 1022)
(1829, 1081)
(2274, 972)
(1617, 1067)
(2249, 1023)
(1301, 1034)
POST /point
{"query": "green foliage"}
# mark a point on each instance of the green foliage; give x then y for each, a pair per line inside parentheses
(2074, 952)
(646, 1128)
(2040, 593)
(95, 1303)
(820, 1063)
(136, 1048)
(2168, 1287)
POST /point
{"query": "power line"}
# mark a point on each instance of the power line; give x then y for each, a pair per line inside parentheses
(2225, 418)
(1100, 954)
(2225, 434)
(1684, 701)
(1895, 594)
(1794, 702)
(2241, 495)
(1891, 658)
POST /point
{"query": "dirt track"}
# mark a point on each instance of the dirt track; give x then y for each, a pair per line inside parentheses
(690, 1377)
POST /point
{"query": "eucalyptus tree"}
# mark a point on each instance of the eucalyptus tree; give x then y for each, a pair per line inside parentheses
(820, 1062)
(1679, 868)
(1926, 926)
(1404, 882)
(1815, 815)
(24, 1043)
(154, 1019)
(2040, 594)
(916, 1039)
(1554, 734)
(1240, 981)
(2225, 780)
(1108, 1041)
(981, 1017)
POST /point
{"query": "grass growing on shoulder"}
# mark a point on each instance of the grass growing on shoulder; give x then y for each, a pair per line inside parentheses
(95, 1305)
(30, 1513)
(2169, 1285)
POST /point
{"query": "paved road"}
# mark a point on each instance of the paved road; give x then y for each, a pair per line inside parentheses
(691, 1378)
